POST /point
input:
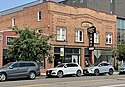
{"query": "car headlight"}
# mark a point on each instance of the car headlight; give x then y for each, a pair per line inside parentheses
(91, 69)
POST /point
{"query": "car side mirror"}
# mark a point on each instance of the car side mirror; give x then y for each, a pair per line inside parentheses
(65, 66)
(99, 65)
(10, 67)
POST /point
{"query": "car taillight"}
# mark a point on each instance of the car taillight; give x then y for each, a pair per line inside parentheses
(38, 67)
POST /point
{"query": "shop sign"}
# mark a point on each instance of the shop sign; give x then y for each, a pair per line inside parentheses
(91, 48)
(61, 51)
(9, 40)
(97, 53)
(87, 24)
(91, 29)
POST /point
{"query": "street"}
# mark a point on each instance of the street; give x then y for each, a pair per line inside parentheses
(69, 81)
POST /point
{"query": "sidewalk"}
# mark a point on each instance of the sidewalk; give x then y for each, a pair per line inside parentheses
(116, 73)
(43, 74)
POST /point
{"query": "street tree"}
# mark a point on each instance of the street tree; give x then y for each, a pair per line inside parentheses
(121, 52)
(29, 45)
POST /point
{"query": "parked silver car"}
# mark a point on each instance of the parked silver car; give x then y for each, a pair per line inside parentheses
(20, 69)
(122, 69)
(96, 69)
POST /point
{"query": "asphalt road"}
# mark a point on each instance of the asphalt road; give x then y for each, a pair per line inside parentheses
(69, 81)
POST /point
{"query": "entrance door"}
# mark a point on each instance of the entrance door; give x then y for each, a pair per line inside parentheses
(75, 59)
(57, 59)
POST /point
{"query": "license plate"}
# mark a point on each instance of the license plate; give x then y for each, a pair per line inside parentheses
(84, 71)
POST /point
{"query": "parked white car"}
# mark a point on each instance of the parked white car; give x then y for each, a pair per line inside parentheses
(65, 69)
(99, 68)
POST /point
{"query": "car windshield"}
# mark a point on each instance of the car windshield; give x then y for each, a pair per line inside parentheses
(8, 64)
(60, 65)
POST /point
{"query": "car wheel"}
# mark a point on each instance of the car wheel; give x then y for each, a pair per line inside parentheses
(2, 77)
(78, 73)
(32, 75)
(96, 72)
(110, 72)
(60, 74)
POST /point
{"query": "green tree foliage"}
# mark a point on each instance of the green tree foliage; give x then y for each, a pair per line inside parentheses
(121, 52)
(29, 45)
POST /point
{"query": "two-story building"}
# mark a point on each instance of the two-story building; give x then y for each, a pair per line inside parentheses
(69, 25)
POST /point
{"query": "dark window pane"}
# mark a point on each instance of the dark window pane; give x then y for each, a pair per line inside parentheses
(105, 64)
(102, 64)
(22, 65)
(68, 50)
(80, 35)
(40, 15)
(74, 65)
(76, 50)
(56, 50)
(68, 65)
(31, 64)
(15, 65)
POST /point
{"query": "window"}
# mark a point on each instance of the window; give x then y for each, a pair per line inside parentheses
(102, 64)
(39, 15)
(106, 64)
(121, 23)
(13, 21)
(108, 38)
(120, 30)
(96, 37)
(79, 36)
(22, 64)
(15, 65)
(81, 1)
(74, 65)
(61, 34)
(68, 65)
(31, 64)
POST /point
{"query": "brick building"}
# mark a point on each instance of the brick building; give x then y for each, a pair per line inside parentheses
(69, 26)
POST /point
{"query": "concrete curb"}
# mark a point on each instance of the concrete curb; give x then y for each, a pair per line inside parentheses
(43, 74)
(115, 73)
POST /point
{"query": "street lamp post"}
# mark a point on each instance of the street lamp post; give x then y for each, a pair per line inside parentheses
(64, 48)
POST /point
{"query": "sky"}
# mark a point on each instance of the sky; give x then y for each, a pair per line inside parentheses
(7, 4)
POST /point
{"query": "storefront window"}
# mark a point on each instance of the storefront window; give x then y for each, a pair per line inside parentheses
(56, 50)
(76, 51)
(68, 50)
(71, 55)
(103, 55)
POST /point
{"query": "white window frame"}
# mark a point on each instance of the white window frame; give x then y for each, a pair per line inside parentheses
(39, 16)
(61, 34)
(77, 36)
(108, 37)
(96, 37)
(13, 21)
